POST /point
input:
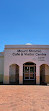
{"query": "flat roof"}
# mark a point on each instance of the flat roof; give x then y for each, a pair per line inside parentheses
(26, 46)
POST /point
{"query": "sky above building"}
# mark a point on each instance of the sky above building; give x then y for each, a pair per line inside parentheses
(24, 21)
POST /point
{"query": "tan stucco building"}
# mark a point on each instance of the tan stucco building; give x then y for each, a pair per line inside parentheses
(24, 64)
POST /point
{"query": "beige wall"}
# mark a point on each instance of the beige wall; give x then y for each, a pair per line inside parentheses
(1, 68)
(20, 60)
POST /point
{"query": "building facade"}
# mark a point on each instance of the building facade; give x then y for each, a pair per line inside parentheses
(24, 64)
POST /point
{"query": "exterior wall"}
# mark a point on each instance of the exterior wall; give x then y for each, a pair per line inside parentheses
(39, 55)
(1, 68)
(37, 74)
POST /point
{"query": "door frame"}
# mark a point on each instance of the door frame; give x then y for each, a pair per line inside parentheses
(29, 72)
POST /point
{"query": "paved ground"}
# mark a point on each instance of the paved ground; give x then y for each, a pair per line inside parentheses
(24, 98)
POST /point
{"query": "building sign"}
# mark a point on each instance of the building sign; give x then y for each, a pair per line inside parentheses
(40, 54)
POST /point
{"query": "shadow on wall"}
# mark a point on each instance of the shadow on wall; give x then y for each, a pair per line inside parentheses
(44, 74)
(14, 74)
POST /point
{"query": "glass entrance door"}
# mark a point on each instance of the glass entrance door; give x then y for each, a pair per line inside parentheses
(29, 72)
(32, 72)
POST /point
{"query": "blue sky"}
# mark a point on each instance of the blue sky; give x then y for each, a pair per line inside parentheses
(24, 21)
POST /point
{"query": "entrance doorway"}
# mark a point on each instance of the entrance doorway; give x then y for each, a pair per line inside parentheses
(29, 73)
